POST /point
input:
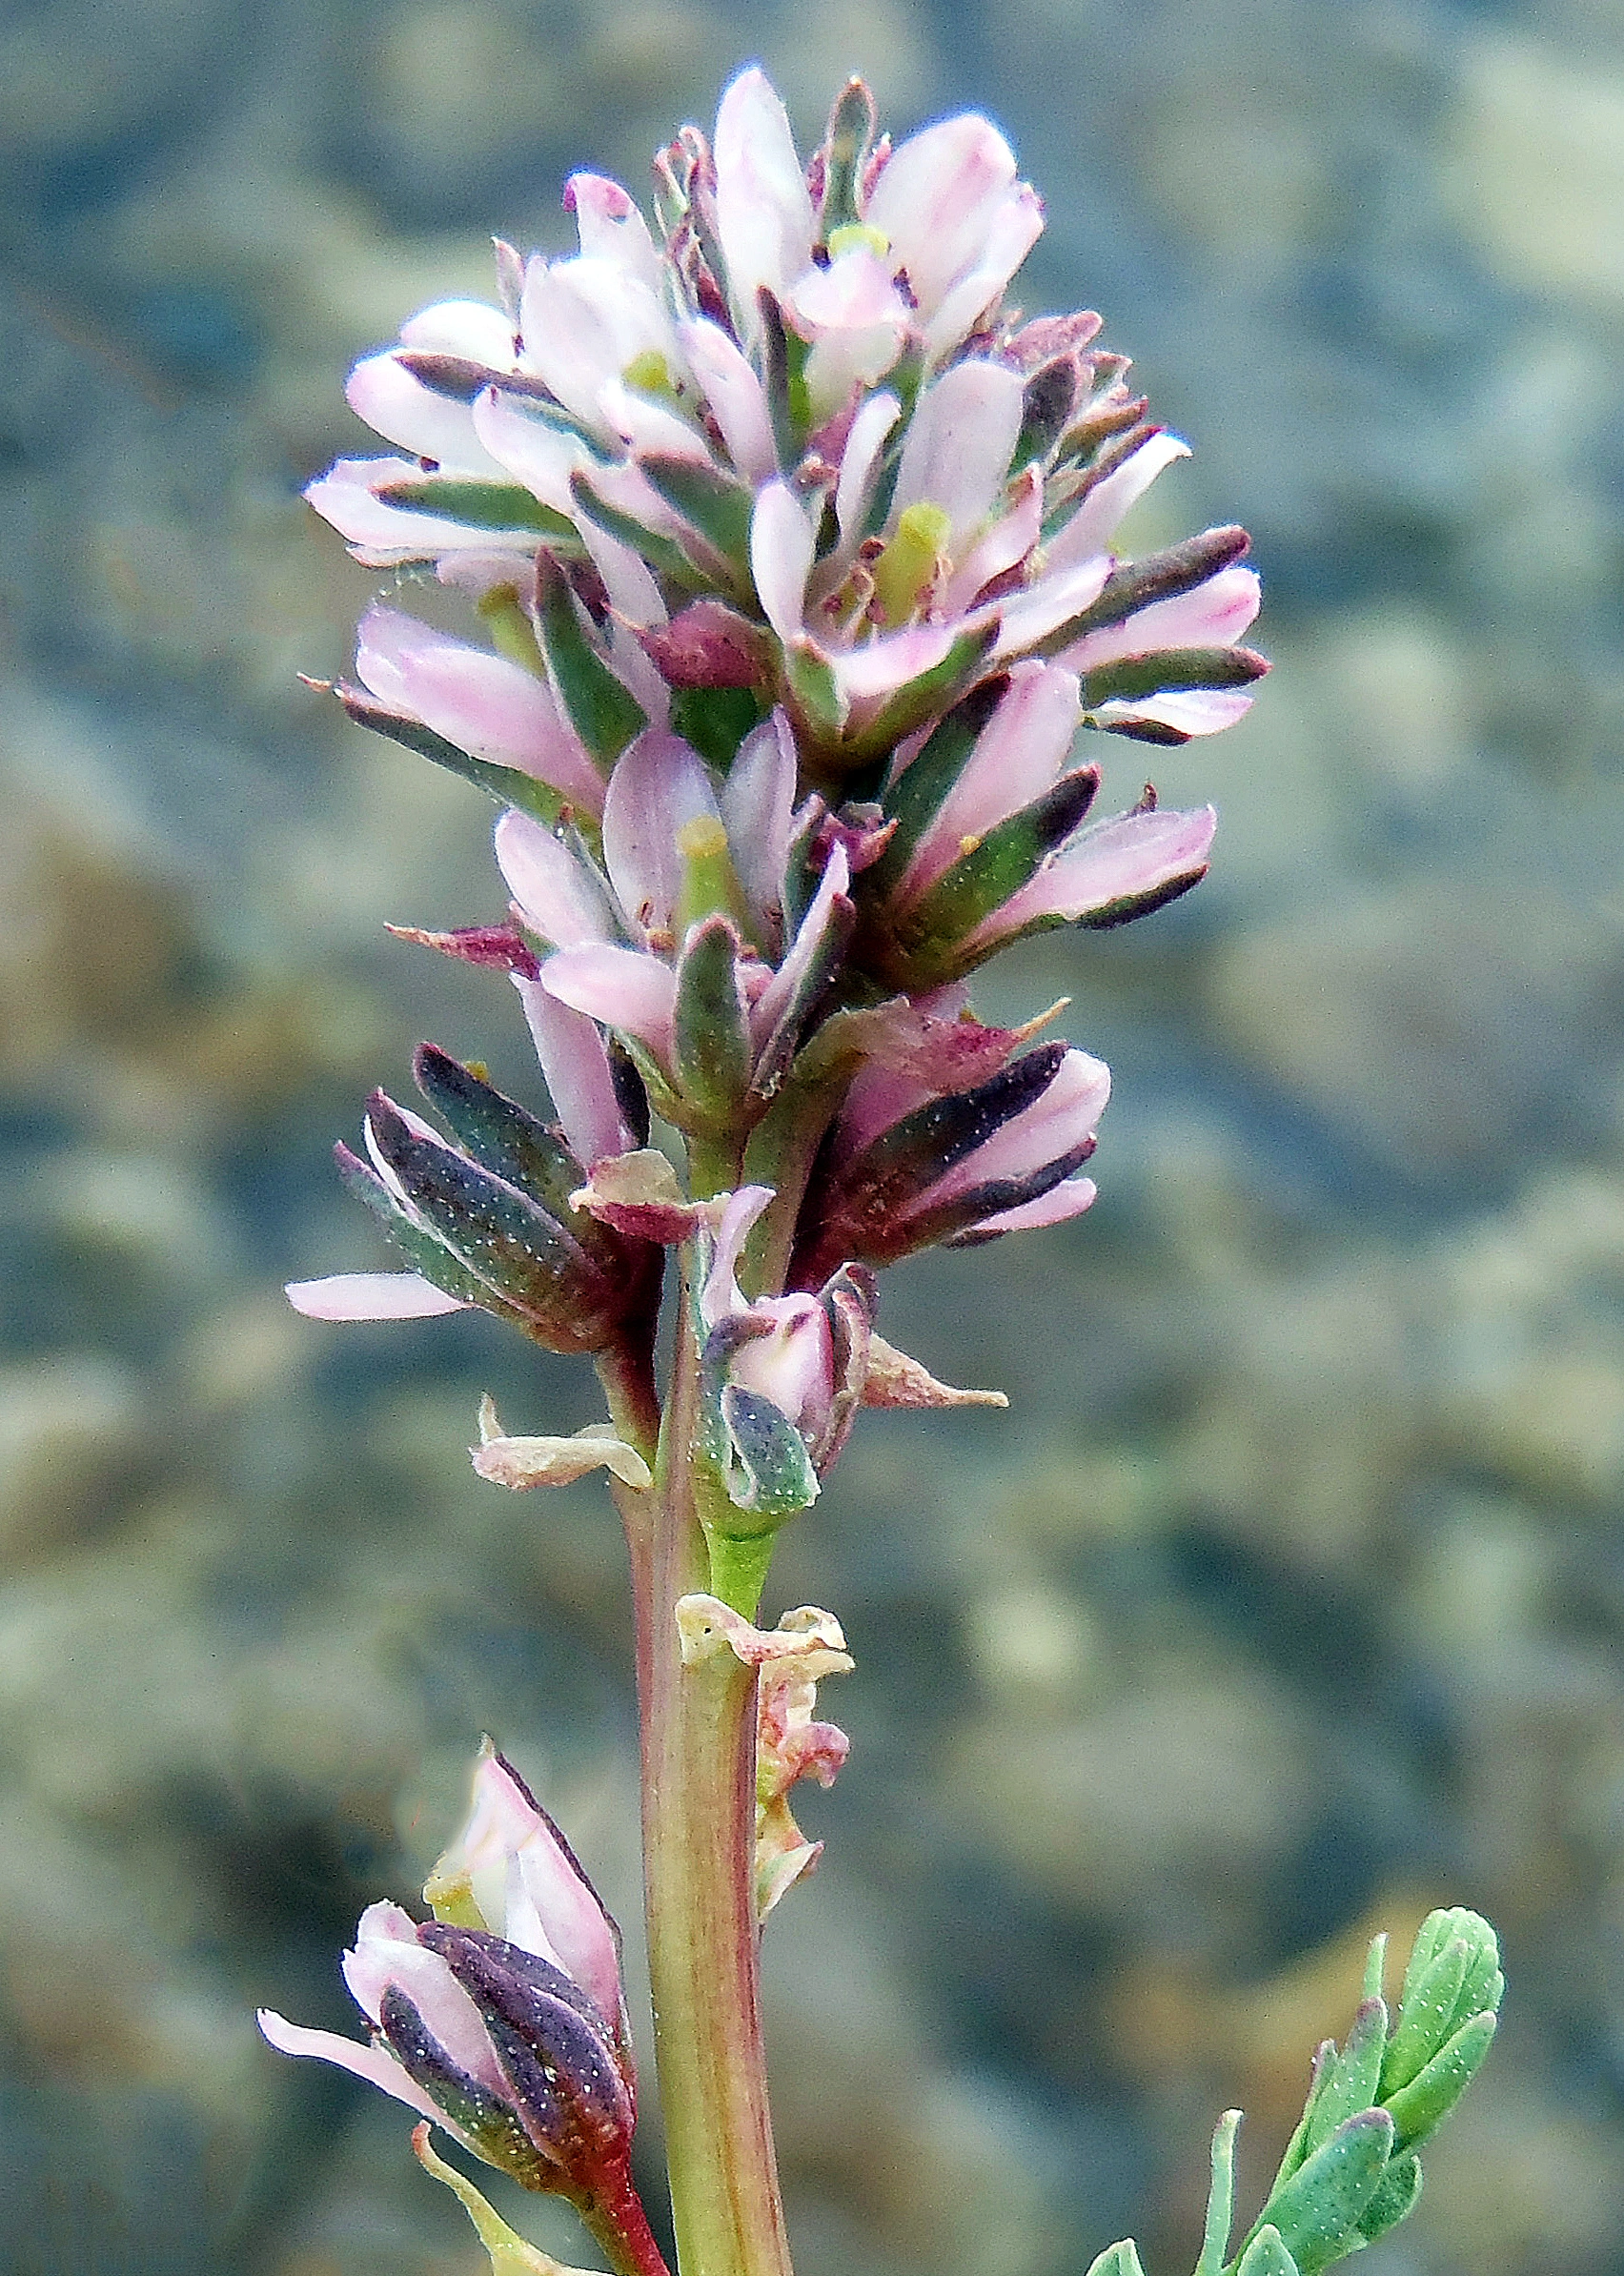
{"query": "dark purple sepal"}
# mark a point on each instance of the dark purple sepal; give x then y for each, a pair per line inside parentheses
(560, 2053)
(1133, 585)
(491, 2125)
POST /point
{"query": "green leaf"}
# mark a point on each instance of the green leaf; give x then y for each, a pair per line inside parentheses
(1118, 2260)
(500, 1134)
(1267, 2255)
(484, 505)
(1420, 2107)
(1296, 2148)
(601, 708)
(1328, 2194)
(770, 1473)
(508, 786)
(510, 1242)
(1396, 2197)
(711, 1048)
(419, 1247)
(1220, 2197)
(1354, 2077)
(1426, 2015)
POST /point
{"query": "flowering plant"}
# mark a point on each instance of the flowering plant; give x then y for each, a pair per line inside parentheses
(795, 553)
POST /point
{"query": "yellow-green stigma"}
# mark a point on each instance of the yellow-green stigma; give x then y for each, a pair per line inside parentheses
(512, 632)
(852, 234)
(710, 883)
(912, 561)
(651, 375)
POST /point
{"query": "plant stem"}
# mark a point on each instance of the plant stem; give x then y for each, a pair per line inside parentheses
(698, 1726)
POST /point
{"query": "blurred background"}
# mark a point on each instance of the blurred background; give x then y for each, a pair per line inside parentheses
(1287, 1599)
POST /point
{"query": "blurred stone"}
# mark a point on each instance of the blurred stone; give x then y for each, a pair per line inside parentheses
(1533, 168)
(1182, 1777)
(1432, 1023)
(69, 1426)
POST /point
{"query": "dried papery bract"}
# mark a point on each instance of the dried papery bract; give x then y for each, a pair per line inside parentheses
(799, 628)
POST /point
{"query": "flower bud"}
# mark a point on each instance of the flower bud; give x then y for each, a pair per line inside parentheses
(503, 2018)
(487, 1222)
(962, 1166)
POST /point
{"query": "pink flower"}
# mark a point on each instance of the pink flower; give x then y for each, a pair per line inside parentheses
(783, 1375)
(492, 709)
(503, 2018)
(487, 1220)
(912, 1163)
(694, 877)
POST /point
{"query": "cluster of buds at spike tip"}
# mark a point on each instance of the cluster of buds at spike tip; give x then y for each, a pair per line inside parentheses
(502, 2018)
(789, 448)
(1350, 2172)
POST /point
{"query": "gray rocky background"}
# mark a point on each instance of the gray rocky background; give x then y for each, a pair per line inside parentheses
(1288, 1598)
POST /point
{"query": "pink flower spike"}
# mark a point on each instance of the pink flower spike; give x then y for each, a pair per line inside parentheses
(780, 992)
(384, 537)
(485, 706)
(1186, 712)
(721, 1296)
(1062, 1119)
(1134, 860)
(1004, 547)
(958, 449)
(1016, 228)
(890, 662)
(659, 785)
(386, 1953)
(555, 895)
(470, 329)
(782, 545)
(707, 644)
(574, 1066)
(529, 1887)
(764, 212)
(935, 194)
(583, 322)
(860, 462)
(1033, 616)
(1018, 756)
(757, 806)
(622, 988)
(534, 453)
(370, 1296)
(1090, 529)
